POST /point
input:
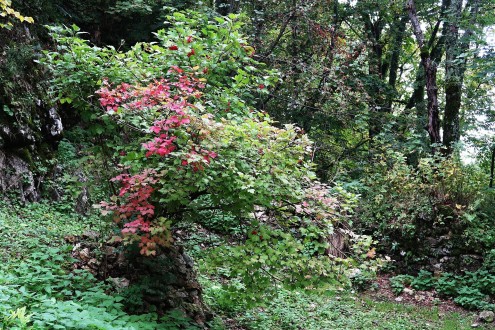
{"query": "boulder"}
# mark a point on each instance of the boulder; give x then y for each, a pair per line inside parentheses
(167, 281)
(17, 178)
(486, 316)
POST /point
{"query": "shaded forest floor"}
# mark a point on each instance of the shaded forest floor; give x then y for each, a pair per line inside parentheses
(38, 292)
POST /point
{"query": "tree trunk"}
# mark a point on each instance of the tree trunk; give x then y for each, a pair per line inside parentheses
(492, 165)
(378, 104)
(455, 67)
(430, 68)
(399, 32)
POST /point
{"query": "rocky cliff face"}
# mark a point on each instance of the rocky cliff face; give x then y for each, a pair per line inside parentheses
(16, 178)
(29, 127)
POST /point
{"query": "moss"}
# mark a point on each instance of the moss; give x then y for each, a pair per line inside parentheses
(26, 155)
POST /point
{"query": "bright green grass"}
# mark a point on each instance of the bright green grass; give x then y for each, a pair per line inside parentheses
(311, 311)
(28, 227)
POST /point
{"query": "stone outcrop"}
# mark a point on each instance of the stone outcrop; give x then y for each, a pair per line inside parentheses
(23, 147)
(30, 128)
(167, 281)
(16, 178)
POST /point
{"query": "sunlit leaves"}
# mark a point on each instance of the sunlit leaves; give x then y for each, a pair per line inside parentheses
(7, 12)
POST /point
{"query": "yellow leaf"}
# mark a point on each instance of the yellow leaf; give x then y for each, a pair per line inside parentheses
(371, 253)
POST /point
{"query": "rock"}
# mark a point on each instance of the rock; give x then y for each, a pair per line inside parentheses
(444, 252)
(486, 316)
(171, 281)
(19, 136)
(419, 297)
(87, 268)
(93, 263)
(54, 126)
(15, 176)
(437, 267)
(355, 272)
(91, 234)
(408, 291)
(119, 282)
(70, 239)
(84, 254)
(433, 242)
(399, 299)
(473, 256)
(111, 254)
(189, 261)
(83, 204)
(445, 260)
(121, 260)
(470, 262)
(76, 248)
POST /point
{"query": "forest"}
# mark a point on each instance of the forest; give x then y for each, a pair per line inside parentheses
(247, 164)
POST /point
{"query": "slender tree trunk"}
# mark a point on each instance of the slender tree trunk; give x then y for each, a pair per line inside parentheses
(399, 32)
(455, 68)
(417, 99)
(377, 69)
(492, 167)
(430, 68)
(258, 20)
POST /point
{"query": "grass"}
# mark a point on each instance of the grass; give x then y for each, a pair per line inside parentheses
(339, 310)
(26, 228)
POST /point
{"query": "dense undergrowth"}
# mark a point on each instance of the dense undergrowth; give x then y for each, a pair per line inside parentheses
(471, 290)
(38, 290)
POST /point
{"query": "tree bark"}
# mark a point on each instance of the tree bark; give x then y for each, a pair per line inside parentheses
(455, 67)
(399, 32)
(492, 167)
(430, 68)
(376, 68)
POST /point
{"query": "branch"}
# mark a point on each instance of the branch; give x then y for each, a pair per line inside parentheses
(413, 16)
(279, 36)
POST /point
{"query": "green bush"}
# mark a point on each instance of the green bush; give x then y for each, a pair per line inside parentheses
(37, 288)
(472, 290)
(400, 282)
(424, 281)
(402, 203)
(447, 285)
(473, 298)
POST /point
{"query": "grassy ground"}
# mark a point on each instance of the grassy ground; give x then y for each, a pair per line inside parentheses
(36, 289)
(38, 292)
(310, 311)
